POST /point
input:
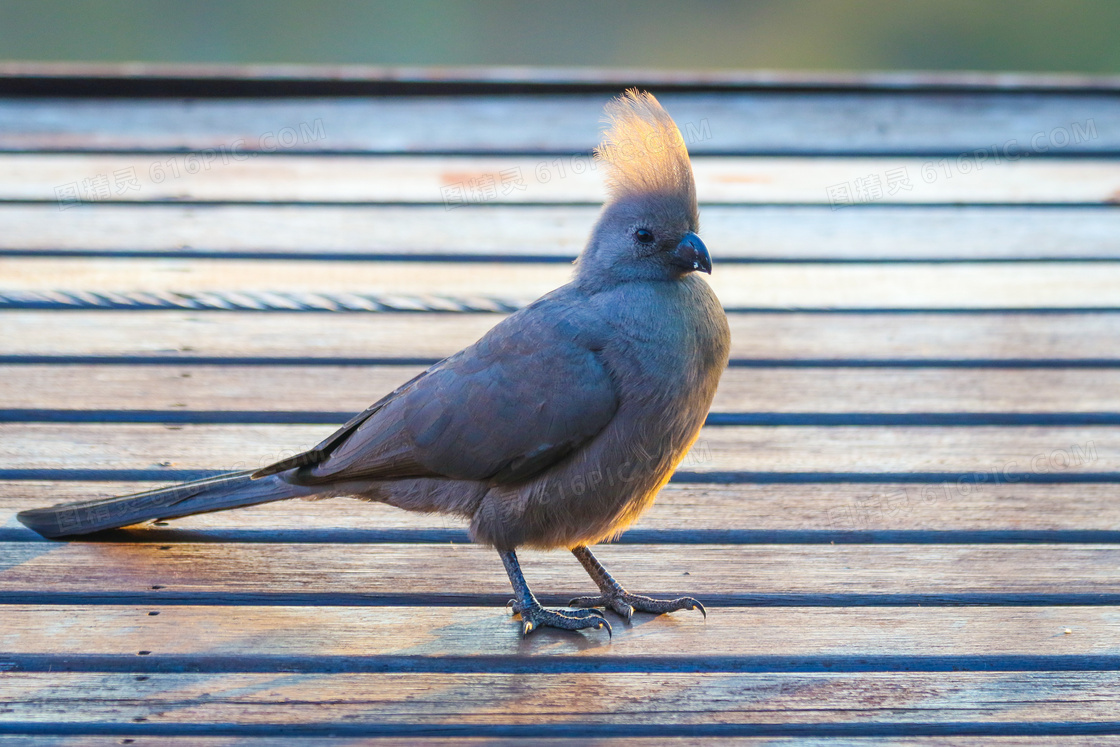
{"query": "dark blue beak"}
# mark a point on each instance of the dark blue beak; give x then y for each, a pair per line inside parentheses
(691, 254)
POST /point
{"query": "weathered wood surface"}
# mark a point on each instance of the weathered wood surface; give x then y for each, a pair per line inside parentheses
(780, 122)
(753, 286)
(259, 81)
(902, 579)
(646, 703)
(423, 179)
(339, 638)
(737, 513)
(455, 574)
(694, 512)
(341, 389)
(756, 232)
(145, 740)
(1069, 450)
(58, 739)
(794, 336)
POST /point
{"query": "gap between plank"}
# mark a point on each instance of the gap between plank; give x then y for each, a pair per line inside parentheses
(207, 360)
(483, 664)
(170, 535)
(498, 601)
(683, 476)
(568, 730)
(818, 419)
(481, 258)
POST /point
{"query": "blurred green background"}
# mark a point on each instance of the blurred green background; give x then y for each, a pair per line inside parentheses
(1021, 35)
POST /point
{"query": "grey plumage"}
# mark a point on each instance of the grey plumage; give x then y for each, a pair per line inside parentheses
(560, 425)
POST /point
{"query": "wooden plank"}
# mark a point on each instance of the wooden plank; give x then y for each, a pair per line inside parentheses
(753, 286)
(744, 513)
(748, 123)
(82, 738)
(434, 179)
(251, 638)
(785, 233)
(287, 80)
(453, 574)
(763, 336)
(185, 387)
(85, 739)
(992, 451)
(92, 740)
(619, 703)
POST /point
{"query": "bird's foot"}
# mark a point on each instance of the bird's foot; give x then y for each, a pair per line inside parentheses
(535, 616)
(625, 603)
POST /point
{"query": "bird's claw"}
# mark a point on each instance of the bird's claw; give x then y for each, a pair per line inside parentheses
(515, 609)
(537, 616)
(613, 603)
(625, 604)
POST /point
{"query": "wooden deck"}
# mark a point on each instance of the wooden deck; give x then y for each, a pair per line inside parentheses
(903, 515)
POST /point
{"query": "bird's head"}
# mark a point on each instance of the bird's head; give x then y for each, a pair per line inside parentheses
(647, 229)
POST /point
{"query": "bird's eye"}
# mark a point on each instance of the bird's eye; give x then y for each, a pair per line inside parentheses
(643, 236)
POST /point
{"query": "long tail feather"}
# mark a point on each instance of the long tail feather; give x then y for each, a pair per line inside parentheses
(231, 490)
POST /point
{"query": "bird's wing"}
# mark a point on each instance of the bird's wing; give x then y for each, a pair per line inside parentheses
(517, 401)
(324, 448)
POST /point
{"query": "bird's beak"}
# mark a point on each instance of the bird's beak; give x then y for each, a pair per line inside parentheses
(691, 254)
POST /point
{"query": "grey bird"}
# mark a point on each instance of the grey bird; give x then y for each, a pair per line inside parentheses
(559, 426)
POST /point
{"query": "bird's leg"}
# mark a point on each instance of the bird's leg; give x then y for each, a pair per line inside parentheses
(534, 616)
(614, 597)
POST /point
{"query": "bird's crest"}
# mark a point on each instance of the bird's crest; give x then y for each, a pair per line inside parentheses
(644, 151)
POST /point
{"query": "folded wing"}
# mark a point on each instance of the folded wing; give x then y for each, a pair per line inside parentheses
(507, 407)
